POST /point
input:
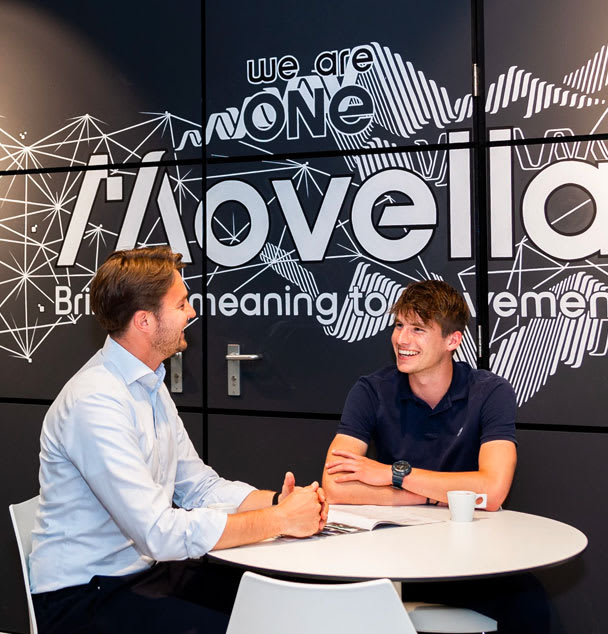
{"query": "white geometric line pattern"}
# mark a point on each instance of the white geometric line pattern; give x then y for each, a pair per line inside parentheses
(532, 353)
(36, 210)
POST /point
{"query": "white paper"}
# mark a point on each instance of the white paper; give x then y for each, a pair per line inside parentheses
(367, 517)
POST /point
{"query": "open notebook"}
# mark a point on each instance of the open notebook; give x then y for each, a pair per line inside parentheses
(345, 518)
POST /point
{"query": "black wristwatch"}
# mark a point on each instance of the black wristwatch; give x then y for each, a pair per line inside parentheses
(401, 468)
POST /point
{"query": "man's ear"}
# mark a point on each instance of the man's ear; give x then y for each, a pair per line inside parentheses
(453, 340)
(143, 320)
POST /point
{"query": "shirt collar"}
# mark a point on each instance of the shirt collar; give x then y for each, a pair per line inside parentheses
(130, 368)
(456, 391)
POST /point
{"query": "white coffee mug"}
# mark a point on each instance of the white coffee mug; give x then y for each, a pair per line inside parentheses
(463, 503)
(225, 507)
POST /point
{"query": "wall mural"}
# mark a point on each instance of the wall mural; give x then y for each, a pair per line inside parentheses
(56, 228)
(344, 235)
(86, 92)
(305, 255)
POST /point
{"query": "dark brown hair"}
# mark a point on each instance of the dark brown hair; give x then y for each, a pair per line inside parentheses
(434, 300)
(132, 280)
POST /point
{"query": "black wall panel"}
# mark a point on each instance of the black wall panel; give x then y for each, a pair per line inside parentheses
(87, 85)
(50, 251)
(546, 66)
(547, 280)
(306, 257)
(405, 66)
(98, 74)
(259, 449)
(20, 428)
(563, 476)
(94, 83)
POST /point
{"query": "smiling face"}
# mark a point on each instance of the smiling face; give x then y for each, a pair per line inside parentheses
(421, 349)
(173, 316)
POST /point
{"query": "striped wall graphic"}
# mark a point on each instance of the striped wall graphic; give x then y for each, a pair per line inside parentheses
(406, 100)
(352, 323)
(467, 350)
(533, 352)
(282, 263)
(518, 84)
(592, 76)
(355, 325)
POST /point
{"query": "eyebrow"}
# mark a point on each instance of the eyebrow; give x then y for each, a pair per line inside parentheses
(416, 323)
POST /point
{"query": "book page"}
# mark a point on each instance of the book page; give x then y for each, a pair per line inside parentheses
(367, 517)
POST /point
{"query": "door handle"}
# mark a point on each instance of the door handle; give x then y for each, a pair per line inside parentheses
(234, 358)
(242, 357)
(177, 386)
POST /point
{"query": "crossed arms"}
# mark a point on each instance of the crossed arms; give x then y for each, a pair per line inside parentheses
(351, 478)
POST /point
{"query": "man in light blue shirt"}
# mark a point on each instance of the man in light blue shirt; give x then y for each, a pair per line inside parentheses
(122, 487)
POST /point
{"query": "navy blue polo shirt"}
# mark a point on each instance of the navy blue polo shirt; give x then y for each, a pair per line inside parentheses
(479, 406)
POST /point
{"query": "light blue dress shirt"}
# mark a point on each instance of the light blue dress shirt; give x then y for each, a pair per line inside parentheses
(114, 456)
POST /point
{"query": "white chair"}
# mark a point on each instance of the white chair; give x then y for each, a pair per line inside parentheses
(435, 618)
(444, 619)
(270, 606)
(22, 516)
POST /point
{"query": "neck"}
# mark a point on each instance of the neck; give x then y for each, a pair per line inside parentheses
(139, 349)
(431, 387)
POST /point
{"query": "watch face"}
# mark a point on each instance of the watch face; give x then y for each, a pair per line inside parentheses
(401, 468)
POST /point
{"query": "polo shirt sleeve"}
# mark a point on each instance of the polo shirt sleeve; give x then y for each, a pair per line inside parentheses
(498, 413)
(359, 412)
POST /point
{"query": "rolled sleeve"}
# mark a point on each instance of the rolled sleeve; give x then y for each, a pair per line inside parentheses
(197, 484)
(106, 449)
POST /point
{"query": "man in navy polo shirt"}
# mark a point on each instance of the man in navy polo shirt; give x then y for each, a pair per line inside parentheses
(437, 424)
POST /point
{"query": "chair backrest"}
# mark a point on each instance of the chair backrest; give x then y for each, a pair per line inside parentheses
(22, 516)
(271, 606)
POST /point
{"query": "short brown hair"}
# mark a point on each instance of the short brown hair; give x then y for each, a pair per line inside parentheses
(132, 280)
(434, 300)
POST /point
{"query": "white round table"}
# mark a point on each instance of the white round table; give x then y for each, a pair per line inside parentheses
(500, 543)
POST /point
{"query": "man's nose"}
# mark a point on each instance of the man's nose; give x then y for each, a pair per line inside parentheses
(404, 336)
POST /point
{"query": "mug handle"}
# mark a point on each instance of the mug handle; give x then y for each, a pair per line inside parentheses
(484, 500)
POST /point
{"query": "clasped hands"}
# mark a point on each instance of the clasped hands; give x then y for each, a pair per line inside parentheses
(354, 467)
(306, 507)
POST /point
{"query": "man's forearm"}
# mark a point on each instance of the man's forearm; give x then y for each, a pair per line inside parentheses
(258, 499)
(360, 493)
(250, 527)
(436, 484)
(300, 514)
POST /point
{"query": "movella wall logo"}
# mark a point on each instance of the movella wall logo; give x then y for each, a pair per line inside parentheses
(329, 240)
